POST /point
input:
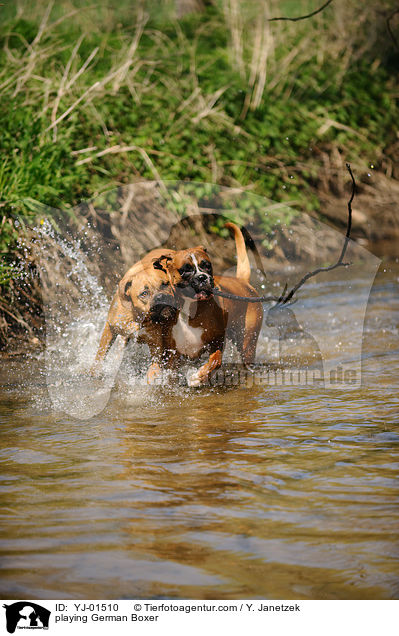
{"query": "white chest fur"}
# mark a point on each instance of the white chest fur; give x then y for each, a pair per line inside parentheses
(188, 339)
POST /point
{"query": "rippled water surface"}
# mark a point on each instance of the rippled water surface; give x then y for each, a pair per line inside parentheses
(272, 492)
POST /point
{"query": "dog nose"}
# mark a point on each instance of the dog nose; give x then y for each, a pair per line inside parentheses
(160, 298)
(202, 278)
(164, 299)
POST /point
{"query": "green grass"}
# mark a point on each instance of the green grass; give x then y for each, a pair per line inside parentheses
(242, 103)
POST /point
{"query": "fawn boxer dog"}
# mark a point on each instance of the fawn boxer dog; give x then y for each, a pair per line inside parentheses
(202, 322)
(143, 301)
(165, 300)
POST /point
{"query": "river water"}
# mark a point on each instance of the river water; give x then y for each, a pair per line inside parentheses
(265, 491)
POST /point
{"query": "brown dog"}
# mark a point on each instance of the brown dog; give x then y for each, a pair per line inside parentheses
(202, 323)
(143, 302)
(165, 300)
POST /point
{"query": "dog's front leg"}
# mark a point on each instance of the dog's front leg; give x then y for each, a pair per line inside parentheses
(201, 376)
(107, 339)
(154, 373)
(155, 342)
(108, 336)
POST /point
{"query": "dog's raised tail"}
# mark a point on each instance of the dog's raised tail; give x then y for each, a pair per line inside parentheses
(243, 271)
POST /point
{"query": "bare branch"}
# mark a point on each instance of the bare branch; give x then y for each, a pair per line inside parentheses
(304, 17)
(244, 299)
(283, 299)
(339, 262)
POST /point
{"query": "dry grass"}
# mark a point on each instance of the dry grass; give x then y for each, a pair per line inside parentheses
(344, 33)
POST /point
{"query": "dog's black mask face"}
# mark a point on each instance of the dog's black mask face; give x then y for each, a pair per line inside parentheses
(196, 275)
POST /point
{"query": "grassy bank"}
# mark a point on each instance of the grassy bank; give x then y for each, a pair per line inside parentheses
(92, 97)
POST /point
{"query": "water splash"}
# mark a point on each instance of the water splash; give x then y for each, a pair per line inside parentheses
(75, 312)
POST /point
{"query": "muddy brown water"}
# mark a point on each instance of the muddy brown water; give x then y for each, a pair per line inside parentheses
(246, 492)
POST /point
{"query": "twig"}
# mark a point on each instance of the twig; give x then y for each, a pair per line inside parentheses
(263, 45)
(283, 299)
(208, 107)
(64, 78)
(122, 73)
(339, 262)
(96, 86)
(14, 317)
(83, 67)
(335, 124)
(117, 149)
(71, 108)
(246, 299)
(43, 23)
(32, 56)
(83, 150)
(231, 9)
(31, 299)
(303, 17)
(70, 14)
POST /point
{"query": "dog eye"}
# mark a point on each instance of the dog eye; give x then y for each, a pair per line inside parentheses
(186, 270)
(205, 265)
(144, 293)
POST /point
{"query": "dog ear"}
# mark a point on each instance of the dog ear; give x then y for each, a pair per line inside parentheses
(123, 288)
(161, 262)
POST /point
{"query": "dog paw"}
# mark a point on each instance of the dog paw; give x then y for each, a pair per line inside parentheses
(193, 379)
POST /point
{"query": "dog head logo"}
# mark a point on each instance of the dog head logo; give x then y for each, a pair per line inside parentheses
(26, 615)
